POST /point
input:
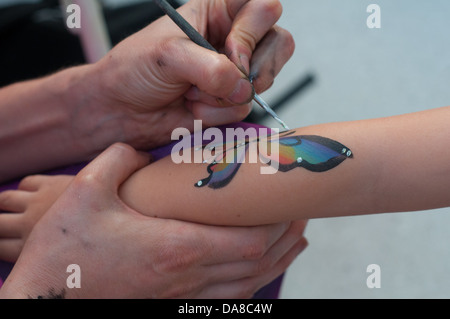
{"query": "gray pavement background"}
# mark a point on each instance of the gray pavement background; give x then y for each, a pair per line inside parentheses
(366, 73)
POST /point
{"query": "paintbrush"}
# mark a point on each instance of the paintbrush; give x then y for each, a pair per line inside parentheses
(196, 37)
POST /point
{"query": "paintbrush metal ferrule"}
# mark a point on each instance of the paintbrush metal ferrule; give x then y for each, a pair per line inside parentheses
(197, 38)
(268, 109)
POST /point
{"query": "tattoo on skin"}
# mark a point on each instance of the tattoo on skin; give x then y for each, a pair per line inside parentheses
(312, 152)
(52, 294)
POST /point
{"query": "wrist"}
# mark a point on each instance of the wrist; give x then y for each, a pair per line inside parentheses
(94, 123)
(123, 116)
(41, 123)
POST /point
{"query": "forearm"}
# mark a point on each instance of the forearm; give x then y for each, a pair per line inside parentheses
(167, 190)
(50, 122)
(399, 164)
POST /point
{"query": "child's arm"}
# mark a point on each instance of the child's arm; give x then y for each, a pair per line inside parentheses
(400, 163)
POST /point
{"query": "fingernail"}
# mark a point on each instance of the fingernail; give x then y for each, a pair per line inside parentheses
(193, 94)
(243, 92)
(244, 64)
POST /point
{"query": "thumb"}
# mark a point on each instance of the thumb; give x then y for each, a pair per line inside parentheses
(116, 164)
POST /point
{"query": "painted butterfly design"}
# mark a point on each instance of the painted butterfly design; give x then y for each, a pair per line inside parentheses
(312, 152)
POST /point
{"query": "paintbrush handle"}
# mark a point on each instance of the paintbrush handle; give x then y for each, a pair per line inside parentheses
(181, 22)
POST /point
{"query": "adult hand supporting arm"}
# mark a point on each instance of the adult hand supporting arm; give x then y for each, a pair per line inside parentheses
(123, 254)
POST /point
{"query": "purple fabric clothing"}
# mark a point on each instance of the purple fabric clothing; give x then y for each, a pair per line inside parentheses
(271, 291)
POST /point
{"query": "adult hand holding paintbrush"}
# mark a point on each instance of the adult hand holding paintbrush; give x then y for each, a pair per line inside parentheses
(149, 84)
(171, 75)
(200, 40)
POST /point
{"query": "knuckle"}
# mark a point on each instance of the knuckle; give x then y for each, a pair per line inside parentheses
(169, 46)
(258, 244)
(178, 255)
(88, 180)
(256, 250)
(218, 75)
(247, 38)
(123, 148)
(173, 261)
(86, 183)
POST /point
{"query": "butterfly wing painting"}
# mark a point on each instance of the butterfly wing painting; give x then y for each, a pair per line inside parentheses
(225, 166)
(312, 152)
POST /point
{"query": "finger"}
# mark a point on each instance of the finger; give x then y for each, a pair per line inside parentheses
(33, 182)
(186, 62)
(29, 183)
(282, 265)
(252, 21)
(213, 116)
(195, 95)
(240, 243)
(10, 226)
(263, 264)
(270, 56)
(278, 251)
(248, 286)
(14, 201)
(113, 166)
(10, 249)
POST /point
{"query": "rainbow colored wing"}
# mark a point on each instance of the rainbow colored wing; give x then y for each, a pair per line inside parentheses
(314, 153)
(224, 167)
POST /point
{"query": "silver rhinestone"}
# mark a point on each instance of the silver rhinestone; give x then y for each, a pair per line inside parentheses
(299, 160)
